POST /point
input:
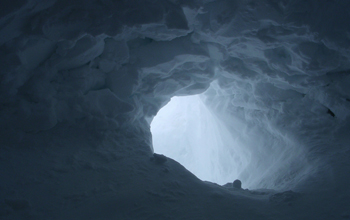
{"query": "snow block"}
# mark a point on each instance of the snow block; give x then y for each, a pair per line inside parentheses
(176, 19)
(114, 55)
(105, 103)
(70, 55)
(122, 81)
(237, 184)
(35, 51)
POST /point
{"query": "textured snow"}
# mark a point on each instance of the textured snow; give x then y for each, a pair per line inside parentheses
(82, 80)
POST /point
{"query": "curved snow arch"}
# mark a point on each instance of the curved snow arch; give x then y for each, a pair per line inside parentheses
(220, 148)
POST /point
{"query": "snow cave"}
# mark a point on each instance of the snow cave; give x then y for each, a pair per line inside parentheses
(174, 109)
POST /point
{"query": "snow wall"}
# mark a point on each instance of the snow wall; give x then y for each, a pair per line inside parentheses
(81, 80)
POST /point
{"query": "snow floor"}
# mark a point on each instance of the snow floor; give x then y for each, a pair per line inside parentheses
(81, 175)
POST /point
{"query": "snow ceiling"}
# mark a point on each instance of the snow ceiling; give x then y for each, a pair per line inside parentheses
(82, 80)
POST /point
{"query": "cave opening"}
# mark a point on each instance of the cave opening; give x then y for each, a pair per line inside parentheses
(188, 131)
(218, 142)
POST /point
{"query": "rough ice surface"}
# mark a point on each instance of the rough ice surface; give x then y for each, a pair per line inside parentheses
(80, 82)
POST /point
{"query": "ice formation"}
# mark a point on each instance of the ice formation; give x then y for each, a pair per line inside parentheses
(82, 80)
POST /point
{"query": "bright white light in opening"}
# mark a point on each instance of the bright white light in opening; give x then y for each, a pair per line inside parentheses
(187, 131)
